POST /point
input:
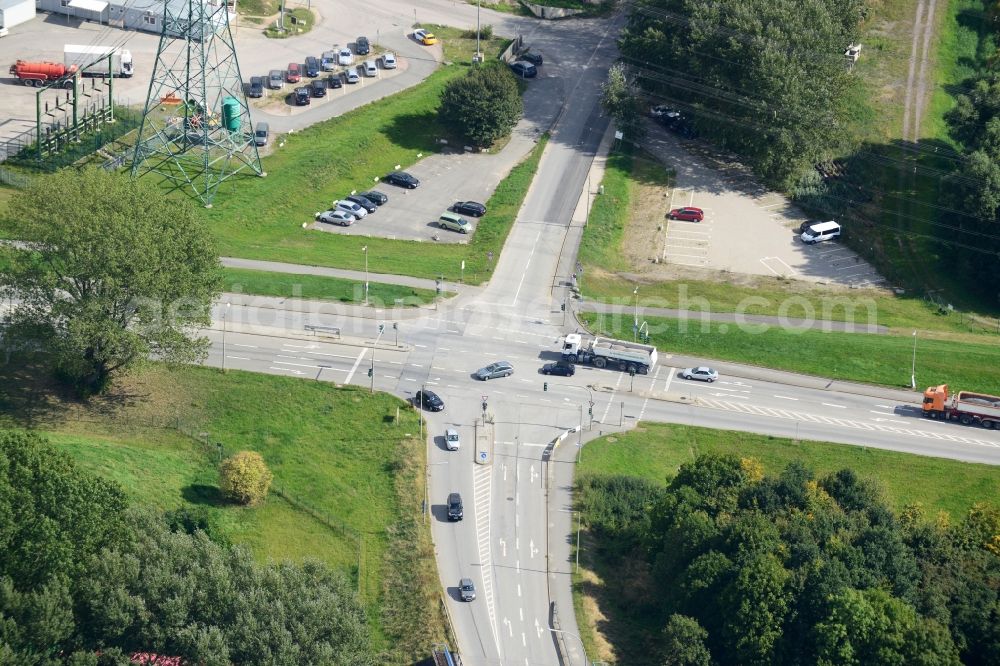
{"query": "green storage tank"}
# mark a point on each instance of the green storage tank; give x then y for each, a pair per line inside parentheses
(231, 114)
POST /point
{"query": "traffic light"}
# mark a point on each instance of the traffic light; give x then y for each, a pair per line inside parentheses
(369, 372)
(545, 386)
(381, 328)
(563, 307)
(631, 371)
(590, 411)
(484, 405)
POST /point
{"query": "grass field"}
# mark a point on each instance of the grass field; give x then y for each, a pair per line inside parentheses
(333, 453)
(297, 22)
(609, 215)
(875, 359)
(459, 45)
(294, 285)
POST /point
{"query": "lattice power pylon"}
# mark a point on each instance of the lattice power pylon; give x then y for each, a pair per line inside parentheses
(196, 130)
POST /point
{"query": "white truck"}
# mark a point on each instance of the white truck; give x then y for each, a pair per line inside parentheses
(603, 352)
(93, 60)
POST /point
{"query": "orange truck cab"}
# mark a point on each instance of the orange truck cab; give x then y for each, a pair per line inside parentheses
(934, 399)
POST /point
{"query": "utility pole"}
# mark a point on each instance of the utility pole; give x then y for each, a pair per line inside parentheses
(478, 50)
(635, 318)
(365, 250)
(913, 366)
(225, 315)
(371, 371)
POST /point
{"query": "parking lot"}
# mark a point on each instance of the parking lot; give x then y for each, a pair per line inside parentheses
(747, 228)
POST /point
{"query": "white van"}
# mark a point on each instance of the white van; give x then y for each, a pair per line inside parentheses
(821, 232)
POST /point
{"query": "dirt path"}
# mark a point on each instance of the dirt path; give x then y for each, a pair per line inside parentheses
(915, 97)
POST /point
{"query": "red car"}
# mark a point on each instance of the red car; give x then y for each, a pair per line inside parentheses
(294, 72)
(687, 214)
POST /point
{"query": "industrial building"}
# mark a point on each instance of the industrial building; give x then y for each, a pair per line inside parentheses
(15, 12)
(144, 15)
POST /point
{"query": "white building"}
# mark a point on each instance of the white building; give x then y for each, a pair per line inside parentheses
(15, 12)
(147, 16)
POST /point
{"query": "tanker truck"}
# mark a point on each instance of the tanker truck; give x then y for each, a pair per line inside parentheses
(964, 406)
(41, 73)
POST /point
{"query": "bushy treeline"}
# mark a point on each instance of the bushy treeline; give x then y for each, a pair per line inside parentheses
(763, 78)
(87, 579)
(727, 566)
(973, 191)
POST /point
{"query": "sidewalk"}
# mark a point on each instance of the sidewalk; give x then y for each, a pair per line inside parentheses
(302, 269)
(731, 317)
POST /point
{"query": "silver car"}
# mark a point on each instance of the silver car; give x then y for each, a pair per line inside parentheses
(451, 440)
(340, 217)
(701, 373)
(350, 207)
(494, 370)
(467, 589)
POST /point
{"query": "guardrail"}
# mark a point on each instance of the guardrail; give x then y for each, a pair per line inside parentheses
(324, 331)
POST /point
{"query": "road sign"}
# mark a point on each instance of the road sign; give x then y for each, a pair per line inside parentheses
(482, 456)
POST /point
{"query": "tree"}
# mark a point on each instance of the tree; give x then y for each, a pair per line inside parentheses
(684, 642)
(245, 478)
(620, 100)
(482, 106)
(116, 272)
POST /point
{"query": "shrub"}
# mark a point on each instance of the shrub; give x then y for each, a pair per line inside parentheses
(244, 478)
(482, 106)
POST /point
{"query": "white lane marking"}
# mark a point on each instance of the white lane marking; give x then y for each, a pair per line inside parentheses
(396, 362)
(831, 405)
(884, 406)
(611, 398)
(881, 413)
(526, 264)
(357, 361)
(452, 386)
(316, 353)
(242, 358)
(300, 365)
(421, 346)
(288, 344)
(236, 344)
(644, 402)
(297, 372)
(445, 348)
(784, 397)
(416, 365)
(670, 378)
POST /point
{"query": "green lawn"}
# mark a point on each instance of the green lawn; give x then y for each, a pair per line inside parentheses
(294, 285)
(297, 22)
(875, 359)
(654, 451)
(334, 454)
(254, 217)
(459, 45)
(609, 215)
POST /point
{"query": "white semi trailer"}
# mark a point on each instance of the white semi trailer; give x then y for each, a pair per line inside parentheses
(93, 60)
(605, 352)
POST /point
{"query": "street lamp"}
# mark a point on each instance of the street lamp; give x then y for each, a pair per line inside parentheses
(365, 250)
(635, 317)
(224, 316)
(563, 631)
(913, 366)
(477, 31)
(395, 327)
(371, 371)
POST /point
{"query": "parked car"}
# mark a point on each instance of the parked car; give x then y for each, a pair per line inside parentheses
(688, 214)
(375, 197)
(560, 368)
(294, 72)
(371, 69)
(343, 218)
(402, 179)
(662, 111)
(334, 81)
(534, 58)
(312, 67)
(361, 46)
(701, 373)
(451, 440)
(260, 134)
(424, 37)
(428, 400)
(467, 589)
(454, 223)
(495, 370)
(455, 510)
(388, 61)
(350, 207)
(328, 61)
(524, 69)
(351, 74)
(345, 57)
(256, 86)
(276, 79)
(469, 208)
(820, 232)
(302, 96)
(318, 88)
(369, 206)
